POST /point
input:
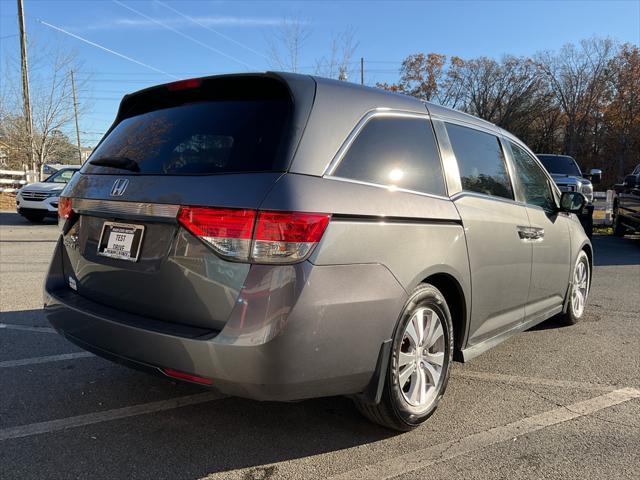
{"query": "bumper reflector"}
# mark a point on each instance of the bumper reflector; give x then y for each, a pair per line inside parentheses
(170, 372)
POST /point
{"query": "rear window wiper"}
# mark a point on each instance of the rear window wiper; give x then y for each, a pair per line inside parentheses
(123, 163)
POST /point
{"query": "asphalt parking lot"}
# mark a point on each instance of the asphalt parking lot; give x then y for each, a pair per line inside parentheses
(552, 402)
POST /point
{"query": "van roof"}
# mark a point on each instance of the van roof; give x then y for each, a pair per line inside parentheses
(325, 109)
(362, 95)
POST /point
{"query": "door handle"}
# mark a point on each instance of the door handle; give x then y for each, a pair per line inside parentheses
(530, 234)
(525, 233)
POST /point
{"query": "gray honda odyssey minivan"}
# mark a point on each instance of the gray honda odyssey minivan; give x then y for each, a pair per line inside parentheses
(281, 237)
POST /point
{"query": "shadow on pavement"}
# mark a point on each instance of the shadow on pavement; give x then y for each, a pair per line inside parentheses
(610, 250)
(189, 442)
(13, 219)
(552, 323)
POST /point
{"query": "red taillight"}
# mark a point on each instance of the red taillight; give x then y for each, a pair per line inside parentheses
(291, 227)
(218, 222)
(228, 231)
(282, 237)
(170, 372)
(65, 208)
(278, 237)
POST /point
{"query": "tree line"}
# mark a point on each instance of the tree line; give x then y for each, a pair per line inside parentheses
(582, 100)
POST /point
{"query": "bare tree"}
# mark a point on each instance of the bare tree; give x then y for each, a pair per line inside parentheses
(579, 78)
(51, 102)
(622, 114)
(338, 63)
(506, 92)
(429, 77)
(287, 42)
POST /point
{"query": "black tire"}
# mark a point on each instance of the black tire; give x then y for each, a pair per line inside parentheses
(618, 229)
(394, 411)
(34, 217)
(572, 316)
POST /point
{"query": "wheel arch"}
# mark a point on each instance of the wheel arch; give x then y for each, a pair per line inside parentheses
(453, 292)
(588, 249)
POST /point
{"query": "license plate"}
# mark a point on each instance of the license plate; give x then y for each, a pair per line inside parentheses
(121, 241)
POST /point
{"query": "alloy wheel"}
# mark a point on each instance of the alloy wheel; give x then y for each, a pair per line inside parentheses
(580, 287)
(421, 358)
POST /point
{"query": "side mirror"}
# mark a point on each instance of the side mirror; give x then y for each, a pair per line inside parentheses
(596, 175)
(572, 202)
(630, 181)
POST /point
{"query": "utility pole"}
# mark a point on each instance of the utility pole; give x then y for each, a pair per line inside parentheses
(75, 112)
(361, 70)
(26, 102)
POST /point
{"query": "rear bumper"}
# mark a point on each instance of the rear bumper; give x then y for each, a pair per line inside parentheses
(297, 331)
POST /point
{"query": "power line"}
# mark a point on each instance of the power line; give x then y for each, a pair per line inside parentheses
(113, 52)
(226, 37)
(184, 35)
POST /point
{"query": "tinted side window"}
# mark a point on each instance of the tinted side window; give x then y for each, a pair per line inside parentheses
(533, 182)
(395, 151)
(480, 161)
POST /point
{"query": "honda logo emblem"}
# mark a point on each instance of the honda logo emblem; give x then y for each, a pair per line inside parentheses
(119, 186)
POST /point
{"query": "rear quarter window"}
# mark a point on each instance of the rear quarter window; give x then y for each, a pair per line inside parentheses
(395, 151)
(480, 160)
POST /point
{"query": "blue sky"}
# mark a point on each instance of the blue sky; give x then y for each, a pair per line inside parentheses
(231, 36)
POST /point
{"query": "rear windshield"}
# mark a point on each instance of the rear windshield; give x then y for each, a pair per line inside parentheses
(198, 137)
(560, 164)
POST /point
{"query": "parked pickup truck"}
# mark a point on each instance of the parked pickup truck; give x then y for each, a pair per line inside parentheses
(569, 178)
(626, 205)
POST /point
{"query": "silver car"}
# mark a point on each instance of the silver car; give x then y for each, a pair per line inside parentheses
(281, 237)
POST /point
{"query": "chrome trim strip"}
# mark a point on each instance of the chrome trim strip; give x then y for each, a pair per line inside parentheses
(486, 128)
(115, 208)
(469, 193)
(378, 112)
(390, 188)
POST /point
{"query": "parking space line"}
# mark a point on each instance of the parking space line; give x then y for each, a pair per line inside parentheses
(26, 328)
(27, 241)
(106, 416)
(47, 359)
(546, 382)
(426, 457)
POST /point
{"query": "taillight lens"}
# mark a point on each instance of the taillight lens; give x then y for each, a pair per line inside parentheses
(282, 237)
(65, 208)
(260, 237)
(228, 231)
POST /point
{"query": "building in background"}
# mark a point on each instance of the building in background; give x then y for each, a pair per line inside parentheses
(85, 152)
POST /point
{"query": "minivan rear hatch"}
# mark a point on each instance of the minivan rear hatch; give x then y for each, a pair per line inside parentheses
(213, 142)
